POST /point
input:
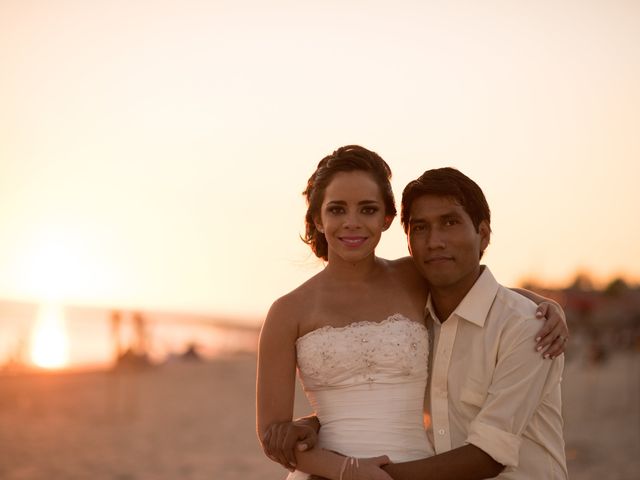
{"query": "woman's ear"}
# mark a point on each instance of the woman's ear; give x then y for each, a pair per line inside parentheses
(388, 220)
(318, 225)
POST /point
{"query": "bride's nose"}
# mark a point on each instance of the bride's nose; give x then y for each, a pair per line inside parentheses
(351, 221)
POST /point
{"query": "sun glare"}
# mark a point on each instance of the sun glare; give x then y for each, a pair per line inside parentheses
(49, 341)
(54, 269)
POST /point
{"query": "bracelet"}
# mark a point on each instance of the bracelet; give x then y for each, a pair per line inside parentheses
(344, 466)
(353, 472)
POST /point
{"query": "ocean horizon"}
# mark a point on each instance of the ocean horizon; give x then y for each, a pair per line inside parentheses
(57, 337)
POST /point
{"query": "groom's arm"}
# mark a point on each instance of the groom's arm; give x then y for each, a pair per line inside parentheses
(520, 381)
(463, 463)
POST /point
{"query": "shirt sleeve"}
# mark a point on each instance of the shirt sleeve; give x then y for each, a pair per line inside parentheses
(520, 382)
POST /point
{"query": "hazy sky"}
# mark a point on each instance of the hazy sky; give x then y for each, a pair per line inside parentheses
(152, 153)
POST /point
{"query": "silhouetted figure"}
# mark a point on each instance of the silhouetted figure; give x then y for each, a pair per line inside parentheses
(131, 360)
(191, 353)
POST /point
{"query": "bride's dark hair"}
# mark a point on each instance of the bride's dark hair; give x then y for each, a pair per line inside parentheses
(345, 159)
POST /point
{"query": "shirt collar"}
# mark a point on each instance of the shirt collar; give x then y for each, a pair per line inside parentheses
(475, 305)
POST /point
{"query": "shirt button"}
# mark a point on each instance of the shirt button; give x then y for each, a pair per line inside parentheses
(441, 431)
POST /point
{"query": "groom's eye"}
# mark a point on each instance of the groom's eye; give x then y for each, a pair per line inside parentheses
(450, 221)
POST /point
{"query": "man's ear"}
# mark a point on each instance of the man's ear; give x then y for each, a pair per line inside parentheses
(485, 235)
(388, 220)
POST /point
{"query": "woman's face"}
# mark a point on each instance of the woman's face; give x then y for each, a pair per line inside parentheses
(352, 216)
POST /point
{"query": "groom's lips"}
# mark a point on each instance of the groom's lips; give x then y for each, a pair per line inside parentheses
(438, 259)
(353, 241)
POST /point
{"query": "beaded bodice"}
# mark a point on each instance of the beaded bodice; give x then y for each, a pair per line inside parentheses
(363, 352)
(366, 382)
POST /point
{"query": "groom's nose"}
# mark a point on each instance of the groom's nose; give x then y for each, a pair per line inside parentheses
(435, 238)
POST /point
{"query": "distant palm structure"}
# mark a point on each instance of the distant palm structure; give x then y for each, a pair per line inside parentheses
(140, 334)
(116, 322)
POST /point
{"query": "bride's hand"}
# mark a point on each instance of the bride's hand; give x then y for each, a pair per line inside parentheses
(552, 338)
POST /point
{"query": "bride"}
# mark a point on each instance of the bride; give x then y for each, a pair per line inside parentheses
(355, 331)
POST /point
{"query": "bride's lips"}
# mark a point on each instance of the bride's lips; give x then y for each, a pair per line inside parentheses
(353, 241)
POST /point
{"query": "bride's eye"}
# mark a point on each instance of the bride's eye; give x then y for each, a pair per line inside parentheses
(369, 210)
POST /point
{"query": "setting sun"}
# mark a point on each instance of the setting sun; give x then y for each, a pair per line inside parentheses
(49, 341)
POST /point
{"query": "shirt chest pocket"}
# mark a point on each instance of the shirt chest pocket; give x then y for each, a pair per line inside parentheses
(473, 396)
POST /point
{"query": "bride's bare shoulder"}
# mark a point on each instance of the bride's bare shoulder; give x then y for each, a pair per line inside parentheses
(293, 307)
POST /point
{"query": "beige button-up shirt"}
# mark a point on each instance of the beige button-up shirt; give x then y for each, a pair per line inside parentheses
(490, 388)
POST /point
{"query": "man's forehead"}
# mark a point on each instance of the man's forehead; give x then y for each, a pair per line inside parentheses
(427, 205)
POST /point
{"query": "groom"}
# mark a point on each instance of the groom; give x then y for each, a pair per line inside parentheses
(495, 403)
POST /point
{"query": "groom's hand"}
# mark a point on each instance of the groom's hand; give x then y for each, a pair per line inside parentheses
(281, 439)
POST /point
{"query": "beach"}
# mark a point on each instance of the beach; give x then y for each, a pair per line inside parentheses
(195, 420)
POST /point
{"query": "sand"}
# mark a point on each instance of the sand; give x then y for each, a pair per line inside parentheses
(196, 421)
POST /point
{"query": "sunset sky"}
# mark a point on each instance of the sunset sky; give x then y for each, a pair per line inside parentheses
(152, 153)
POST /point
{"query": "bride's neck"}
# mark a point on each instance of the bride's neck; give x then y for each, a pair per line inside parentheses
(362, 270)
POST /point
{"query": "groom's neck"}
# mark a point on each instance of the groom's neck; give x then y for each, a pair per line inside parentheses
(445, 299)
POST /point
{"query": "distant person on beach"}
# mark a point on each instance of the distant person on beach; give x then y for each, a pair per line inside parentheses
(357, 333)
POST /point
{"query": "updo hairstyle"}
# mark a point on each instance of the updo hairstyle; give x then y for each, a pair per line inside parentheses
(345, 159)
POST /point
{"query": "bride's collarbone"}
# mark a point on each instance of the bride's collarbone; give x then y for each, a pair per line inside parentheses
(351, 295)
(356, 306)
(337, 307)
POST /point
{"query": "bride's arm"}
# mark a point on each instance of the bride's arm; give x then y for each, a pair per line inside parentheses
(275, 389)
(276, 368)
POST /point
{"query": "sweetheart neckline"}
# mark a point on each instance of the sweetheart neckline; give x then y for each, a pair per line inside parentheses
(390, 318)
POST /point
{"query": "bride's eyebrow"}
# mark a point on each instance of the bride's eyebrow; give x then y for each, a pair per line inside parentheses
(361, 202)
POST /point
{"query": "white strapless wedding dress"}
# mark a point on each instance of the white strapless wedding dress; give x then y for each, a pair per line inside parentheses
(366, 382)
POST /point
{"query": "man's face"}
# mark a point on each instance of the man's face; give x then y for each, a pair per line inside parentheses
(444, 244)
